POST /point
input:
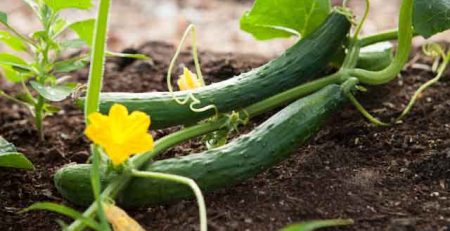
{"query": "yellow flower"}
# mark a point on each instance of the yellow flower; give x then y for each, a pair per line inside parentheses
(121, 135)
(188, 80)
(120, 220)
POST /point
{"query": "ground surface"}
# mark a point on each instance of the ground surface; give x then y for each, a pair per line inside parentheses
(384, 178)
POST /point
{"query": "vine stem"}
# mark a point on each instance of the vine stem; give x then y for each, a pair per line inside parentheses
(191, 28)
(363, 20)
(182, 180)
(405, 34)
(423, 87)
(364, 112)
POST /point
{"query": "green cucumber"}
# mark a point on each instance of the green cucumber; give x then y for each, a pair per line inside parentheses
(243, 158)
(297, 65)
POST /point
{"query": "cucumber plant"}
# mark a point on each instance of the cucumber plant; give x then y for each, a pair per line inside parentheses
(143, 181)
(44, 77)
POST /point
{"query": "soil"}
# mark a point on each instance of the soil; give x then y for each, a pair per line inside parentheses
(393, 178)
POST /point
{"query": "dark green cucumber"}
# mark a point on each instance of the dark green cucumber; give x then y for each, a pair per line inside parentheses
(243, 158)
(297, 65)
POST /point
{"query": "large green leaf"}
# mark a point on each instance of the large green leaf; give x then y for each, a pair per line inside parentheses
(431, 16)
(84, 30)
(58, 5)
(283, 18)
(9, 157)
(53, 93)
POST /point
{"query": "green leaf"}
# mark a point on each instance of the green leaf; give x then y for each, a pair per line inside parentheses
(51, 109)
(431, 16)
(10, 74)
(14, 61)
(270, 19)
(6, 146)
(26, 98)
(15, 160)
(14, 42)
(313, 225)
(61, 209)
(59, 26)
(58, 5)
(53, 93)
(376, 57)
(84, 29)
(9, 157)
(3, 18)
(74, 43)
(70, 65)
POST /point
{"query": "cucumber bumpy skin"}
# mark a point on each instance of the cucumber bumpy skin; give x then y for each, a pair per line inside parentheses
(297, 65)
(243, 158)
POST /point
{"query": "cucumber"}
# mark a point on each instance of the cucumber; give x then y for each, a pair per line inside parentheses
(297, 65)
(243, 158)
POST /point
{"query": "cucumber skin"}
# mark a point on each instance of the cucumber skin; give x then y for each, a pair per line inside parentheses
(243, 158)
(297, 65)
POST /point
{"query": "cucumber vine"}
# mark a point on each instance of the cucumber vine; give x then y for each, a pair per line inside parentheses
(218, 127)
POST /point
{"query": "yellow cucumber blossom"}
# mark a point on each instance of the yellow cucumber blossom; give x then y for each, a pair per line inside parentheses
(120, 220)
(120, 134)
(188, 80)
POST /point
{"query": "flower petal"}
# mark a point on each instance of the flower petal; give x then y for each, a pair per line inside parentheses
(138, 122)
(140, 143)
(121, 135)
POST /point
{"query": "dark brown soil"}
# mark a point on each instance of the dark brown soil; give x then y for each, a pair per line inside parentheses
(392, 178)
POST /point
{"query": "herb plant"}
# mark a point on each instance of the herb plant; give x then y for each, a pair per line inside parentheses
(44, 78)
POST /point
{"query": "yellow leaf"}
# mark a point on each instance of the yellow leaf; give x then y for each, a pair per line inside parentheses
(120, 220)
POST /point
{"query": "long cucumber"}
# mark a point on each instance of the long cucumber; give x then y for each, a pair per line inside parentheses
(243, 158)
(297, 65)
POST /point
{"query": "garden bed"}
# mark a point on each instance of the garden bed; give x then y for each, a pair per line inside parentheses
(384, 178)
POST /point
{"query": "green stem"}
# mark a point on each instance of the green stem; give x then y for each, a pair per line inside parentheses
(405, 34)
(422, 88)
(351, 60)
(364, 112)
(96, 187)
(2, 93)
(182, 180)
(97, 59)
(380, 37)
(39, 116)
(363, 20)
(292, 94)
(20, 35)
